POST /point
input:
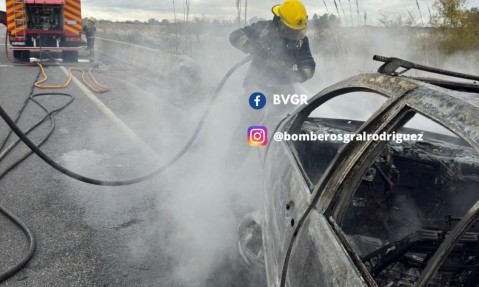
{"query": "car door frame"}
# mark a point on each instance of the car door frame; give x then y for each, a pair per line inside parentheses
(393, 88)
(448, 108)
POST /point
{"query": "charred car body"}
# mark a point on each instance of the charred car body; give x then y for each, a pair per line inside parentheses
(375, 212)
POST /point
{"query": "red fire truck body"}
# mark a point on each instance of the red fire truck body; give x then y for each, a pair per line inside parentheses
(44, 25)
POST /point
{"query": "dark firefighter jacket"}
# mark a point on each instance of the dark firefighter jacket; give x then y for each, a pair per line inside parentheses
(89, 29)
(277, 62)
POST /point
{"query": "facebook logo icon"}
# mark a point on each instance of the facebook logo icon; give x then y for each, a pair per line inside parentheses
(257, 101)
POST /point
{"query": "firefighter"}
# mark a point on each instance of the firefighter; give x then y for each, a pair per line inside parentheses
(281, 57)
(279, 46)
(89, 29)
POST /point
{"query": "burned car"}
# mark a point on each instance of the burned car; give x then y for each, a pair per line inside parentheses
(401, 210)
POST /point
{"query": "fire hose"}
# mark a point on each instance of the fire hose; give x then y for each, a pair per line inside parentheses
(99, 89)
(9, 215)
(102, 88)
(31, 245)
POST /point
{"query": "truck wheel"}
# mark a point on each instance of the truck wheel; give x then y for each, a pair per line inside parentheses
(70, 56)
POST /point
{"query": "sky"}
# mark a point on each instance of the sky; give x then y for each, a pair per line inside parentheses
(226, 9)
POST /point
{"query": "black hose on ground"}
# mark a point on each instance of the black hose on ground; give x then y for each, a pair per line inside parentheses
(31, 245)
(20, 112)
(4, 152)
(166, 166)
(31, 238)
(49, 115)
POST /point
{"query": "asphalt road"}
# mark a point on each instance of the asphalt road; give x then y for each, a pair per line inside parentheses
(114, 236)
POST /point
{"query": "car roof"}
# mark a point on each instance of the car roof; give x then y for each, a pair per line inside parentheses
(457, 110)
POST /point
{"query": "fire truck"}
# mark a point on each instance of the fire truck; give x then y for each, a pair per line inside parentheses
(44, 25)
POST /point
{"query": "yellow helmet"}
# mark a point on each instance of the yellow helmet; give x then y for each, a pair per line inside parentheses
(292, 13)
(91, 19)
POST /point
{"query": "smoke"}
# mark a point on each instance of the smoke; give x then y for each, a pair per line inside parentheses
(180, 228)
(209, 197)
(203, 203)
(344, 52)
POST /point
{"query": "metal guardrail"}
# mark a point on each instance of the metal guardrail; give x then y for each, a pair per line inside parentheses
(153, 61)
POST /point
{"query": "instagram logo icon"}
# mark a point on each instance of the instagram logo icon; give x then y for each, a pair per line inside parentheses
(257, 136)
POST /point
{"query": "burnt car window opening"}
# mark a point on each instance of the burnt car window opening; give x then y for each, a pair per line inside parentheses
(424, 124)
(407, 203)
(341, 115)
